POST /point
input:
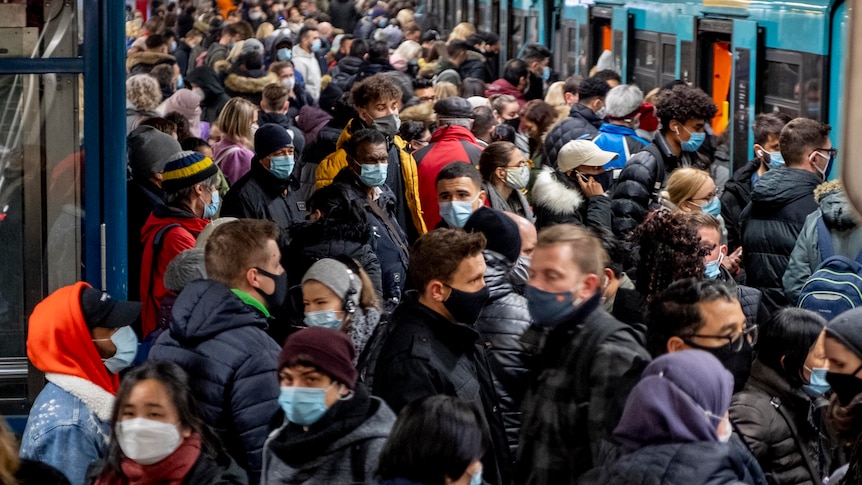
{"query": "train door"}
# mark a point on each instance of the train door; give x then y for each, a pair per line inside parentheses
(622, 23)
(601, 34)
(714, 66)
(747, 55)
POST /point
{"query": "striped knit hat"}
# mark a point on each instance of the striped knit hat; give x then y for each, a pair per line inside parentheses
(186, 169)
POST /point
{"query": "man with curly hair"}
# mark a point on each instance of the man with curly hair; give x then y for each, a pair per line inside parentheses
(684, 112)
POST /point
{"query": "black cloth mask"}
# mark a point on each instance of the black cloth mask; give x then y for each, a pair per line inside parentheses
(465, 307)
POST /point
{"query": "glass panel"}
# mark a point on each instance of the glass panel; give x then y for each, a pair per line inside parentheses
(645, 54)
(39, 28)
(40, 202)
(812, 87)
(781, 80)
(584, 43)
(668, 59)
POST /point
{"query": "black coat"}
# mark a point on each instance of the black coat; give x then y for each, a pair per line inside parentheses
(207, 470)
(737, 195)
(343, 14)
(37, 473)
(214, 95)
(558, 200)
(581, 121)
(780, 202)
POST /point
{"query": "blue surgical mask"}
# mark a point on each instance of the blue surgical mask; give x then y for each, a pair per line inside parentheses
(713, 207)
(281, 166)
(382, 23)
(315, 46)
(322, 318)
(695, 140)
(549, 309)
(712, 269)
(457, 212)
(211, 209)
(173, 46)
(817, 384)
(476, 479)
(284, 54)
(126, 343)
(546, 73)
(180, 81)
(303, 405)
(373, 175)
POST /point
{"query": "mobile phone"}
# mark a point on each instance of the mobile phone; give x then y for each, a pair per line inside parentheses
(737, 253)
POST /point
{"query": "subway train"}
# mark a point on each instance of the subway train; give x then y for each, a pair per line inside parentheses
(751, 56)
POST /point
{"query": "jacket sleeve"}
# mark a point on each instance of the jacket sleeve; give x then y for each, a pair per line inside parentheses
(371, 264)
(800, 266)
(402, 381)
(599, 212)
(240, 207)
(329, 168)
(730, 211)
(752, 424)
(411, 189)
(633, 192)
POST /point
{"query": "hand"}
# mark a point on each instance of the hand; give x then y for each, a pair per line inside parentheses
(732, 261)
(590, 186)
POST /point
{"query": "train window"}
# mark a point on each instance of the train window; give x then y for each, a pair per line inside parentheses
(668, 59)
(645, 53)
(583, 45)
(781, 80)
(793, 84)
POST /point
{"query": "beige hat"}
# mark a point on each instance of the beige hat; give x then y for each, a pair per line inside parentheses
(582, 152)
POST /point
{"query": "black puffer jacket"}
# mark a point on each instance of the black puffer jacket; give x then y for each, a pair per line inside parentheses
(581, 121)
(344, 73)
(737, 195)
(760, 413)
(770, 224)
(317, 150)
(557, 200)
(214, 95)
(503, 321)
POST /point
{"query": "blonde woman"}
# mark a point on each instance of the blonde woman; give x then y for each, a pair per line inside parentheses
(461, 32)
(556, 97)
(238, 122)
(445, 90)
(689, 190)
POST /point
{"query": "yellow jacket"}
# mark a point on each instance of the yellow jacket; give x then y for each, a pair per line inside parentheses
(334, 162)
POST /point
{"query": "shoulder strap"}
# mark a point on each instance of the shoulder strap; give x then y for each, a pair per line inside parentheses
(158, 242)
(225, 154)
(776, 403)
(358, 457)
(824, 240)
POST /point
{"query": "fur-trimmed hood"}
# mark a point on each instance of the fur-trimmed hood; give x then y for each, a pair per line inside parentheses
(150, 59)
(248, 84)
(553, 193)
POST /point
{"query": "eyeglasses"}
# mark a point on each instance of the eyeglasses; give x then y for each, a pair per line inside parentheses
(734, 343)
(522, 163)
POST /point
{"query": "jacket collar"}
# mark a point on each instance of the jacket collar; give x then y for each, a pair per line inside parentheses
(453, 132)
(273, 185)
(453, 335)
(580, 111)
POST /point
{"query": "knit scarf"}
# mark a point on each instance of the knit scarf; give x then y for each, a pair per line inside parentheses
(170, 471)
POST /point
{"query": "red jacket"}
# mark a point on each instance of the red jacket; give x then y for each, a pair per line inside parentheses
(501, 86)
(174, 241)
(448, 144)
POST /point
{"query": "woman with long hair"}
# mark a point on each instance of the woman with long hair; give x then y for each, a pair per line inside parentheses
(505, 173)
(237, 122)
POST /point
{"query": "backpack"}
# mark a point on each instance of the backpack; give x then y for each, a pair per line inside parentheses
(836, 285)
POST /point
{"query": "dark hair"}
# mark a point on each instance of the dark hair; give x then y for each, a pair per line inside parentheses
(490, 37)
(536, 52)
(683, 103)
(592, 87)
(360, 137)
(503, 132)
(472, 87)
(455, 170)
(675, 312)
(164, 74)
(799, 137)
(154, 40)
(241, 28)
(422, 83)
(494, 156)
(454, 47)
(412, 130)
(437, 255)
(179, 391)
(789, 334)
(375, 88)
(378, 50)
(192, 143)
(303, 32)
(165, 126)
(608, 75)
(541, 113)
(358, 48)
(515, 69)
(483, 119)
(768, 124)
(334, 204)
(182, 124)
(474, 39)
(434, 438)
(572, 84)
(669, 250)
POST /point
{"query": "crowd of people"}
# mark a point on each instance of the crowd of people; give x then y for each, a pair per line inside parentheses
(363, 257)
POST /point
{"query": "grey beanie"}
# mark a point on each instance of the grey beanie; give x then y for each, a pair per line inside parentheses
(149, 150)
(336, 276)
(185, 268)
(847, 329)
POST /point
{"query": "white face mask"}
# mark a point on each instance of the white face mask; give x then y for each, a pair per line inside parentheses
(146, 441)
(725, 430)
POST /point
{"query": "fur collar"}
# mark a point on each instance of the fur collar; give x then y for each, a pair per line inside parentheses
(244, 84)
(149, 58)
(100, 401)
(554, 195)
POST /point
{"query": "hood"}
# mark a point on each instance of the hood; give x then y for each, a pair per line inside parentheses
(311, 119)
(208, 80)
(59, 342)
(163, 215)
(497, 269)
(451, 132)
(148, 59)
(783, 185)
(501, 86)
(554, 194)
(250, 82)
(205, 308)
(349, 65)
(836, 209)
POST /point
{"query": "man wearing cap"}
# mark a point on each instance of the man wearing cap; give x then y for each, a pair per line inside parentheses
(570, 194)
(451, 141)
(333, 430)
(149, 149)
(268, 190)
(190, 182)
(81, 339)
(618, 135)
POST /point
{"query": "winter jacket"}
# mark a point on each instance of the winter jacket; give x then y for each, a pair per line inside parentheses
(249, 84)
(515, 203)
(285, 122)
(561, 431)
(182, 55)
(644, 176)
(424, 355)
(214, 96)
(233, 158)
(559, 200)
(311, 120)
(215, 53)
(343, 14)
(219, 340)
(315, 151)
(760, 413)
(144, 62)
(306, 63)
(846, 237)
(142, 196)
(501, 86)
(370, 67)
(73, 410)
(401, 176)
(504, 319)
(135, 116)
(475, 66)
(622, 140)
(344, 73)
(705, 462)
(581, 123)
(342, 447)
(448, 144)
(390, 247)
(737, 195)
(780, 203)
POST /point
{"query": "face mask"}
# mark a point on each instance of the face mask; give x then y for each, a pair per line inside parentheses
(775, 159)
(845, 386)
(465, 307)
(602, 112)
(303, 405)
(254, 128)
(126, 343)
(546, 73)
(695, 140)
(323, 318)
(373, 175)
(315, 46)
(712, 270)
(382, 23)
(282, 166)
(146, 441)
(255, 15)
(726, 431)
(517, 178)
(199, 92)
(276, 298)
(211, 209)
(520, 273)
(388, 125)
(738, 363)
(549, 309)
(180, 81)
(824, 173)
(289, 83)
(813, 108)
(173, 46)
(476, 479)
(713, 207)
(284, 54)
(817, 384)
(457, 212)
(514, 123)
